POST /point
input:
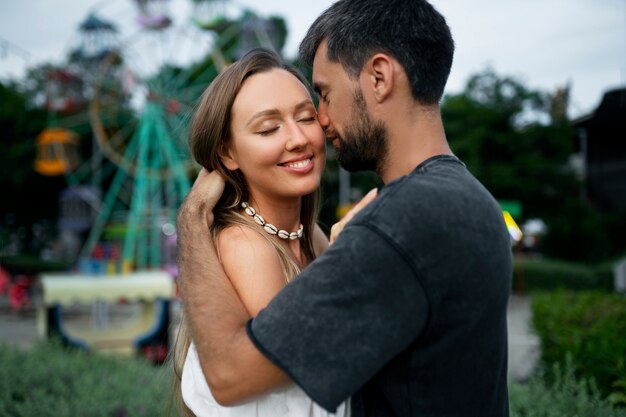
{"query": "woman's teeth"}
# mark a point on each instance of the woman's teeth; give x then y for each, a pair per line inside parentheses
(299, 164)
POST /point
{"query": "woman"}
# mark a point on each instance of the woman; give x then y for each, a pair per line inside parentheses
(257, 126)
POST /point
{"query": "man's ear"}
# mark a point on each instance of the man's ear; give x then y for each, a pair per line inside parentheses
(227, 159)
(379, 72)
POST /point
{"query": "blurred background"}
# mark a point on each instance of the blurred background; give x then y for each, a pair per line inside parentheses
(95, 99)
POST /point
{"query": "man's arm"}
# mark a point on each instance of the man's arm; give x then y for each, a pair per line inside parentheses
(234, 369)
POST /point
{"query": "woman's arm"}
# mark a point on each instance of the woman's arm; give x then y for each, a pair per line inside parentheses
(235, 368)
(320, 241)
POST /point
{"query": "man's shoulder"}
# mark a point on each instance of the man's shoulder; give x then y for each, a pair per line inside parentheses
(439, 198)
(439, 182)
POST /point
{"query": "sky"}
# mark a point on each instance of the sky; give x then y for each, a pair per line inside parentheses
(546, 44)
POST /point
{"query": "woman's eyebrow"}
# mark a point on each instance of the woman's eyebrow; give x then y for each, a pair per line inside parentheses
(268, 112)
(304, 103)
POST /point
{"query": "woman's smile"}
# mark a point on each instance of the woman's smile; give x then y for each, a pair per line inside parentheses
(300, 166)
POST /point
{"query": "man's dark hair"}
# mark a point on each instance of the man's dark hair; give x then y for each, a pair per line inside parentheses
(411, 31)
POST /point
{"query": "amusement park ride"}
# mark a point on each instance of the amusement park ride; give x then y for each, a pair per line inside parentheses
(127, 104)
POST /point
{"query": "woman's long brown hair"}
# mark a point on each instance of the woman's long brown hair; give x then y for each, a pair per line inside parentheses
(210, 137)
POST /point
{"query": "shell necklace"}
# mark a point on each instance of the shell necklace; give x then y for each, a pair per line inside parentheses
(270, 228)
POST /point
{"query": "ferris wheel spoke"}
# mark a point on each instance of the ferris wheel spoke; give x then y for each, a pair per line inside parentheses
(85, 171)
(174, 161)
(107, 206)
(78, 122)
(132, 225)
(192, 38)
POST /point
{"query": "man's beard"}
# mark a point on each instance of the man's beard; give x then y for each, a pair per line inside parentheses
(364, 144)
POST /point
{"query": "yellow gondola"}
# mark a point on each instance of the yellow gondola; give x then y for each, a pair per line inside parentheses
(57, 152)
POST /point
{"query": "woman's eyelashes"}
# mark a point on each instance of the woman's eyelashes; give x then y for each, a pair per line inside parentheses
(308, 119)
(266, 131)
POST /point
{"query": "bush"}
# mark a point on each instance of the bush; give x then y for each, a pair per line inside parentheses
(49, 380)
(532, 274)
(565, 397)
(578, 231)
(591, 327)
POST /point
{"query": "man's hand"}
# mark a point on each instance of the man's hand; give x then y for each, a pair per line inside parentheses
(202, 198)
(338, 227)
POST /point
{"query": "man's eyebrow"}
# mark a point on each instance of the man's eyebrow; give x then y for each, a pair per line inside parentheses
(318, 86)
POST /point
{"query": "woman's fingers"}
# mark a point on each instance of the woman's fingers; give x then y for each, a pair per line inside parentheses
(337, 228)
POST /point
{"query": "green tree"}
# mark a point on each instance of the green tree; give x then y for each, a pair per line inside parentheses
(518, 142)
(27, 195)
(509, 139)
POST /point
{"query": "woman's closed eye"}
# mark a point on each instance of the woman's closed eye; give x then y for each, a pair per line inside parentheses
(308, 119)
(267, 131)
(308, 115)
(270, 126)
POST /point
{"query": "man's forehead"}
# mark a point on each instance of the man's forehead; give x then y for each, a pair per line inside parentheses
(322, 51)
(320, 57)
(321, 66)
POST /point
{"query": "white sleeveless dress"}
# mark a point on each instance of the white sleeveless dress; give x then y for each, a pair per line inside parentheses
(290, 401)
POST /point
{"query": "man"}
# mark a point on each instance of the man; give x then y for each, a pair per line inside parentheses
(406, 312)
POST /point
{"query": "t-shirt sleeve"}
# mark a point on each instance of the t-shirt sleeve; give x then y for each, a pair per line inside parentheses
(344, 317)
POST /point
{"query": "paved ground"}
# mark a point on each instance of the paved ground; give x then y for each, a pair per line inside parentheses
(21, 330)
(524, 346)
(17, 329)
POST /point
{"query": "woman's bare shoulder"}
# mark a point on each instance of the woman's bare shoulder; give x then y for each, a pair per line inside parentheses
(252, 264)
(235, 235)
(242, 244)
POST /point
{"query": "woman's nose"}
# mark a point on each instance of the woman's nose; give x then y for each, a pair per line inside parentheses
(297, 138)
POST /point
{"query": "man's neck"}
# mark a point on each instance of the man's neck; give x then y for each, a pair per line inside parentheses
(413, 138)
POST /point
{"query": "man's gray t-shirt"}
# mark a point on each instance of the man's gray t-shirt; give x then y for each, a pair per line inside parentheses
(406, 311)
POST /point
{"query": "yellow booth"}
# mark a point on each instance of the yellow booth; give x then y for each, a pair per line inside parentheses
(79, 309)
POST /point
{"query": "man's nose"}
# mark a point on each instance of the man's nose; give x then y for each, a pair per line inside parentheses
(322, 115)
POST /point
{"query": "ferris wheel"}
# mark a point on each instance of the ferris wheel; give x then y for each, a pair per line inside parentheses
(141, 95)
(133, 96)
